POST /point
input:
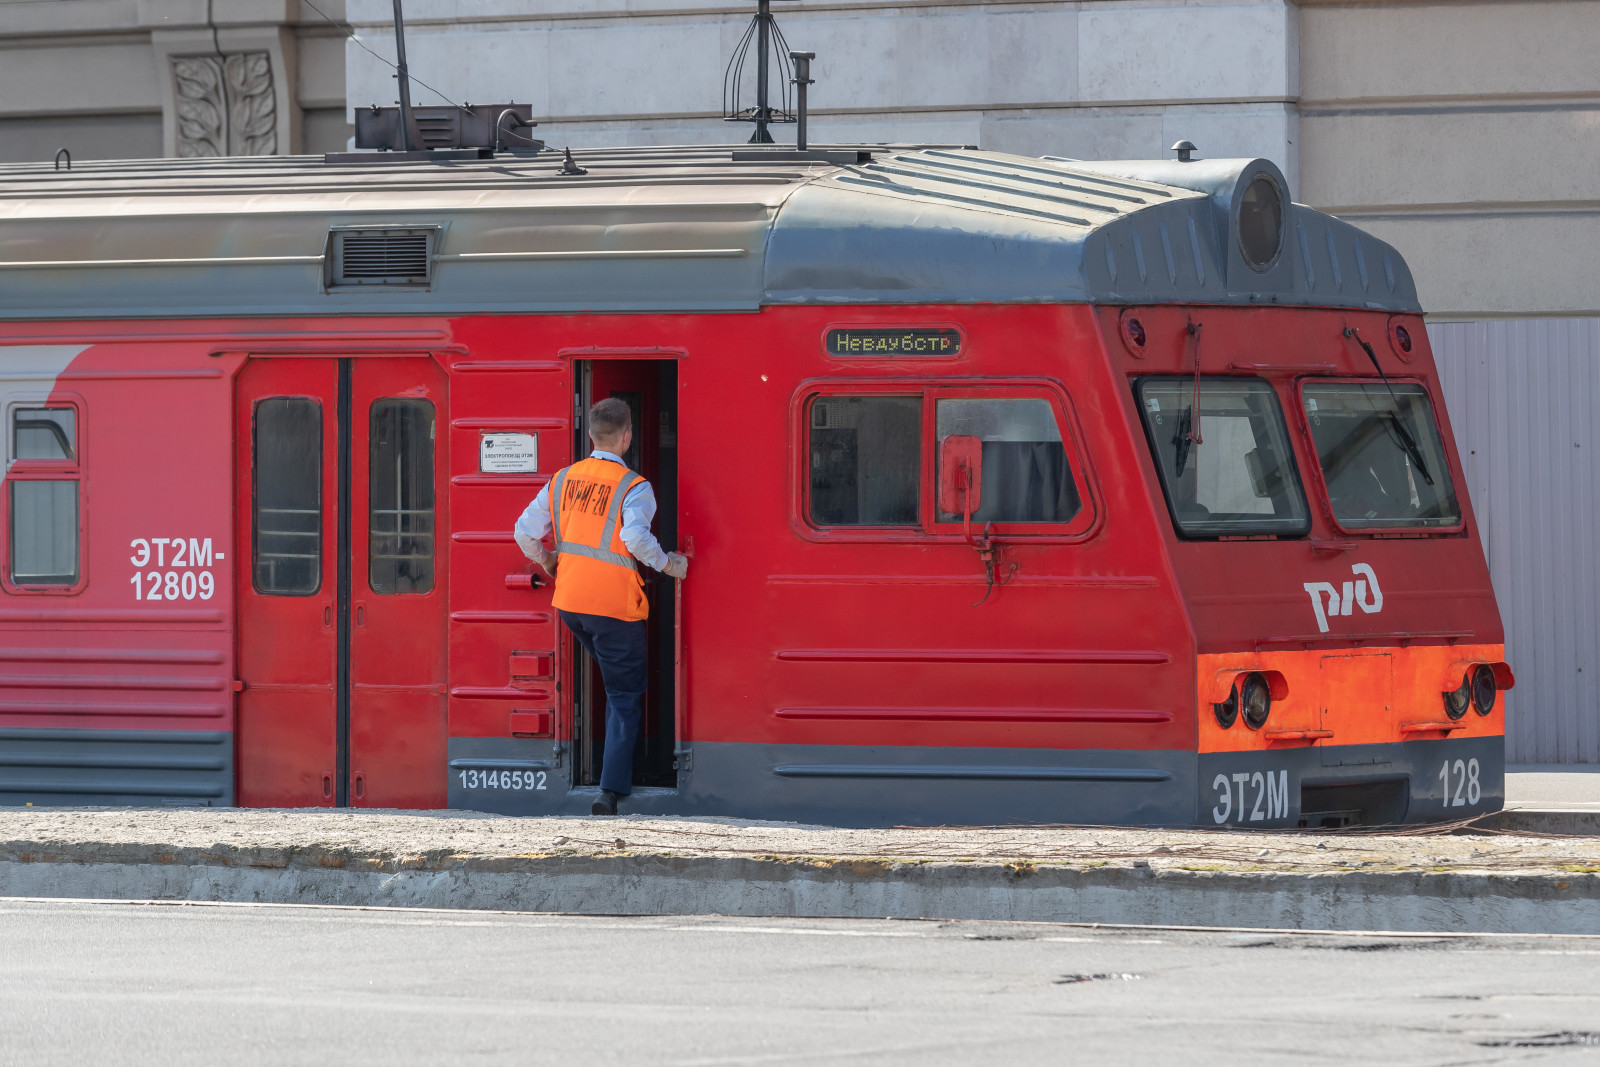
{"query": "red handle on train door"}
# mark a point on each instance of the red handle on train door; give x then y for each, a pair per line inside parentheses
(523, 581)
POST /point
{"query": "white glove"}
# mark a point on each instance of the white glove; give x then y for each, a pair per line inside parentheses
(677, 565)
(536, 551)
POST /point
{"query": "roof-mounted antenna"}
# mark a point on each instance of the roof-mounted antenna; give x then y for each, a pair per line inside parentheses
(1185, 149)
(802, 78)
(802, 152)
(763, 30)
(410, 135)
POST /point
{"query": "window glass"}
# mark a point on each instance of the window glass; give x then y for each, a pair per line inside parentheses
(400, 486)
(1381, 456)
(1025, 477)
(288, 496)
(865, 460)
(44, 433)
(1240, 476)
(44, 532)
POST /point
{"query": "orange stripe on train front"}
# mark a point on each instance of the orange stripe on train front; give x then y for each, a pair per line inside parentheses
(1347, 696)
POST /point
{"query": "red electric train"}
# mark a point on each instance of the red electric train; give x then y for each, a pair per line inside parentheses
(1017, 490)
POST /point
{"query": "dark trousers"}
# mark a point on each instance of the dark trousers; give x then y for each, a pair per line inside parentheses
(619, 648)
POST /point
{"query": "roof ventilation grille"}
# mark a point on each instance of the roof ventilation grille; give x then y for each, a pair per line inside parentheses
(388, 257)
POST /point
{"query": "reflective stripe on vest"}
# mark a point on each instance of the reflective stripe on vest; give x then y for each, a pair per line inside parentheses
(608, 532)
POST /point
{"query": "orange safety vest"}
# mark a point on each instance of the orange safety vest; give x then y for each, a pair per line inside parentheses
(595, 575)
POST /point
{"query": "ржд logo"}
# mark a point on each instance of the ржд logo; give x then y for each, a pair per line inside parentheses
(1342, 601)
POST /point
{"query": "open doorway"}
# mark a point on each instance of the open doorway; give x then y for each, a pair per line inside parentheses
(650, 389)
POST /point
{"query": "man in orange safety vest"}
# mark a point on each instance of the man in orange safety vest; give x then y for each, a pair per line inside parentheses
(600, 512)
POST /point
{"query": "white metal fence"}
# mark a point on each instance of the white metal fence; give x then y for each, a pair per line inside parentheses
(1523, 397)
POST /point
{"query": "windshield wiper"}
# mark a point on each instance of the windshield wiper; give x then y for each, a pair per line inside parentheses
(1408, 442)
(1189, 424)
(1183, 440)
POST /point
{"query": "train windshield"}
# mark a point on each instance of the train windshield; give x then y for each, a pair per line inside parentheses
(1382, 459)
(1224, 456)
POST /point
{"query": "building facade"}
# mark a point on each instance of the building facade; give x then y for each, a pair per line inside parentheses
(137, 79)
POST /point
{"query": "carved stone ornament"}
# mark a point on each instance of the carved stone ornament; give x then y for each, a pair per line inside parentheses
(225, 105)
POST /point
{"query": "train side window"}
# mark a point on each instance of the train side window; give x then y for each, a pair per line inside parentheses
(44, 433)
(865, 460)
(44, 532)
(44, 496)
(1025, 476)
(287, 524)
(400, 527)
(1382, 459)
(1224, 457)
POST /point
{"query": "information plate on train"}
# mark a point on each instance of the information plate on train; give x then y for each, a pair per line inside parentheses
(892, 341)
(508, 453)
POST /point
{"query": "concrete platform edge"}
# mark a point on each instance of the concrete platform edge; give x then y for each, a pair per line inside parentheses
(1579, 821)
(809, 887)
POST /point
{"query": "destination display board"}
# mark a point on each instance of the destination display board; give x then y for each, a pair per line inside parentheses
(892, 341)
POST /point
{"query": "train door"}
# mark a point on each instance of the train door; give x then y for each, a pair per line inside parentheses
(650, 388)
(342, 598)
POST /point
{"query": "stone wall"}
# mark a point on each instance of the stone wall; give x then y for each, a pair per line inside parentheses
(1465, 134)
(109, 79)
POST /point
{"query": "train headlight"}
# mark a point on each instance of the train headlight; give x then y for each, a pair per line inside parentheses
(1456, 701)
(1483, 688)
(1227, 711)
(1261, 223)
(1255, 701)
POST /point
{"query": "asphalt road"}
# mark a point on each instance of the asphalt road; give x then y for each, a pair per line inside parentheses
(107, 984)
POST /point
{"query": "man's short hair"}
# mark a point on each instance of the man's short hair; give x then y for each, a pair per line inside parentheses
(609, 418)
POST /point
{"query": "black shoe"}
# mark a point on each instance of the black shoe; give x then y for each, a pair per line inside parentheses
(606, 804)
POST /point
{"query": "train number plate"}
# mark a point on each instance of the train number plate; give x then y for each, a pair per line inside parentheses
(508, 781)
(179, 568)
(1463, 777)
(1250, 796)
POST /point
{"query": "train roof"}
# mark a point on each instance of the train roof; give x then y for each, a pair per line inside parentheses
(665, 229)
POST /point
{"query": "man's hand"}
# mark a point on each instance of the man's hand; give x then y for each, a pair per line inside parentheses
(536, 551)
(677, 565)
